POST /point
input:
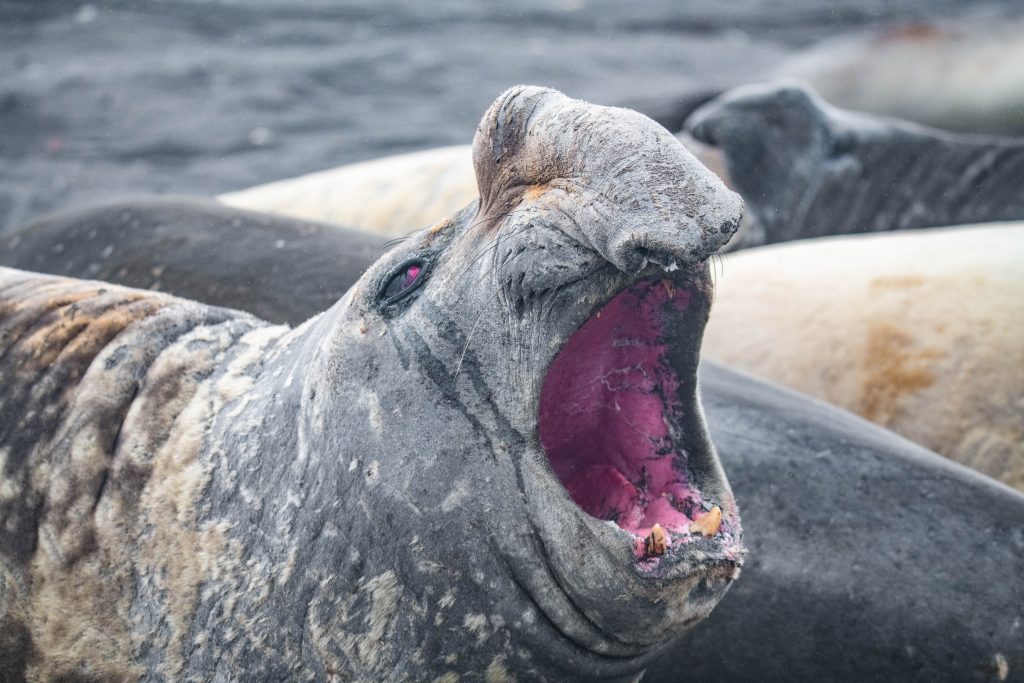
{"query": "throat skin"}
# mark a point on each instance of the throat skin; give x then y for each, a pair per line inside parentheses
(359, 555)
(236, 531)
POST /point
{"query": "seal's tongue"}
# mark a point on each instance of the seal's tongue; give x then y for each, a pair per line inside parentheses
(605, 409)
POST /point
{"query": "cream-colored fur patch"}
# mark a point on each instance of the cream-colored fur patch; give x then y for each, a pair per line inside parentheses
(394, 195)
(922, 332)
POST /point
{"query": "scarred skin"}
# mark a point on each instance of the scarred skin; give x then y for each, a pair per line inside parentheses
(189, 492)
(807, 169)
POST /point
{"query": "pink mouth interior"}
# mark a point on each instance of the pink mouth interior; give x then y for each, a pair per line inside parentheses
(603, 415)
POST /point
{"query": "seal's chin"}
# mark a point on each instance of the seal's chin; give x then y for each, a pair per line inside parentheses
(616, 407)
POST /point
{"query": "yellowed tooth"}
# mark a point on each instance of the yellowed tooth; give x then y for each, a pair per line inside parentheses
(708, 524)
(655, 544)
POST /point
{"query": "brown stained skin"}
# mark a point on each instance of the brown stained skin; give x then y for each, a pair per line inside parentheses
(106, 413)
(82, 333)
(534, 191)
(912, 32)
(897, 282)
(894, 369)
(51, 334)
(440, 225)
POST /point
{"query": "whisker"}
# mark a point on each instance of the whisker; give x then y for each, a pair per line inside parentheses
(397, 240)
(551, 302)
(472, 330)
(493, 243)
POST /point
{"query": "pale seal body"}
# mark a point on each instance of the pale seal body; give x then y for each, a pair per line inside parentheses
(392, 195)
(395, 489)
(961, 77)
(808, 169)
(917, 331)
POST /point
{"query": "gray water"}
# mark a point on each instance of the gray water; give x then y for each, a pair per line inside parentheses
(107, 99)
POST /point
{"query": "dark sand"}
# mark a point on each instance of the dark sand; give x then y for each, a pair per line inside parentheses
(104, 99)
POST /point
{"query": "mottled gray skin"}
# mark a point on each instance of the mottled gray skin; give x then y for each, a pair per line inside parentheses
(146, 242)
(808, 169)
(190, 493)
(856, 540)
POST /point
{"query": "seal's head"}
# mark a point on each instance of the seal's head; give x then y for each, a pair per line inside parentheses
(533, 445)
(780, 140)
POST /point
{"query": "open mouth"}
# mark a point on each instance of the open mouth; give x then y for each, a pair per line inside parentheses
(617, 419)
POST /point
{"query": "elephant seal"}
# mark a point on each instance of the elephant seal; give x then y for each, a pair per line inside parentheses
(916, 331)
(871, 558)
(145, 242)
(488, 456)
(807, 169)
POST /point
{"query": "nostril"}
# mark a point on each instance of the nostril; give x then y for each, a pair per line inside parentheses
(729, 227)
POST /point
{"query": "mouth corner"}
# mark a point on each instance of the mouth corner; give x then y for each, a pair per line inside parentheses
(620, 423)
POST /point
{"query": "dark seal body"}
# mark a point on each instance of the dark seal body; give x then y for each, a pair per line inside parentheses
(808, 169)
(871, 558)
(192, 494)
(146, 242)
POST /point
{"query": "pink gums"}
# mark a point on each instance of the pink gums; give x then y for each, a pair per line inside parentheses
(602, 421)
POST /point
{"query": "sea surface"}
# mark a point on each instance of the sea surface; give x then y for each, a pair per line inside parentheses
(107, 99)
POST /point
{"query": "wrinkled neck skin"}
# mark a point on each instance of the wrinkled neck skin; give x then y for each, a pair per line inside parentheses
(424, 534)
(808, 169)
(400, 515)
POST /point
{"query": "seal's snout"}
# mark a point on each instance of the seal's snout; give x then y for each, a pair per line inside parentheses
(611, 179)
(702, 128)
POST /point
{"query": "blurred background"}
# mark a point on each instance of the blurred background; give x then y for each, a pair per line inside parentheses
(101, 100)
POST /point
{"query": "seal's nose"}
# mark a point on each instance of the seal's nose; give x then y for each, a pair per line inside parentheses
(701, 127)
(613, 179)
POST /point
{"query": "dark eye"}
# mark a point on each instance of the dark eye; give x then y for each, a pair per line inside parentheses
(404, 282)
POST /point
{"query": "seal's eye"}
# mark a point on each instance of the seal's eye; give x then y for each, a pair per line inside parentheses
(404, 282)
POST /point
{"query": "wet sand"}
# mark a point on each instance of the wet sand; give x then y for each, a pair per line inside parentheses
(107, 99)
